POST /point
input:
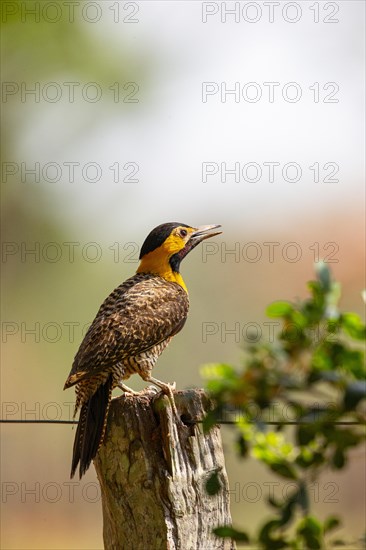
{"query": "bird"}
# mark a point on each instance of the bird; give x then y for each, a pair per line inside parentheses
(131, 329)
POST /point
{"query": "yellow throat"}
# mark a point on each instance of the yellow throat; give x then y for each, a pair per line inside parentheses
(157, 262)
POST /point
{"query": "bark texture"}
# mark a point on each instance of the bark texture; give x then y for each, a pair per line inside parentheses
(152, 472)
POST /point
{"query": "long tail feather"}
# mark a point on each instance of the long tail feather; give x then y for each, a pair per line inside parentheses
(91, 428)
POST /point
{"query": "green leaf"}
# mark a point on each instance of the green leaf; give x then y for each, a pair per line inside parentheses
(354, 362)
(213, 484)
(266, 538)
(211, 419)
(273, 502)
(311, 531)
(303, 498)
(331, 523)
(355, 392)
(288, 508)
(283, 469)
(307, 460)
(349, 437)
(354, 326)
(230, 532)
(217, 370)
(279, 309)
(339, 458)
(314, 309)
(305, 434)
(243, 446)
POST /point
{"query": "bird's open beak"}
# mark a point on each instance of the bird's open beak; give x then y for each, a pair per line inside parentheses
(204, 232)
(199, 234)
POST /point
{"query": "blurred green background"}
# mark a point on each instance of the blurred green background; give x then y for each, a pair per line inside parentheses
(118, 127)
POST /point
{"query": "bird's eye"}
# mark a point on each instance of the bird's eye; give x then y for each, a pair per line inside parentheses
(183, 233)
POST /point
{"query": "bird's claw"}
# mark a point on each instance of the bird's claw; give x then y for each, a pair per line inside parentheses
(151, 389)
(126, 389)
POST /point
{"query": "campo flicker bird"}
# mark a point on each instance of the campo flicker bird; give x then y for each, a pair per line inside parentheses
(131, 329)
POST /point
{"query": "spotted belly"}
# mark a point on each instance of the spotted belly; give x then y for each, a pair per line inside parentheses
(141, 364)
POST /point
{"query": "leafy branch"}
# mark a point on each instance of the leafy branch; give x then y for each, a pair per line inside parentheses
(317, 353)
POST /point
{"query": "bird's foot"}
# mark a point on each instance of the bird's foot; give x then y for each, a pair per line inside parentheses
(150, 389)
(126, 389)
(168, 390)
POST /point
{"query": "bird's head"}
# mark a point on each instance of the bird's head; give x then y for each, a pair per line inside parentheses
(166, 246)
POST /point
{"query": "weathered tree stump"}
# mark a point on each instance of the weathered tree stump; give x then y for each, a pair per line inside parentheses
(152, 472)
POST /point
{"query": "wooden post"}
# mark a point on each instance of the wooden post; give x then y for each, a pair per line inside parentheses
(152, 472)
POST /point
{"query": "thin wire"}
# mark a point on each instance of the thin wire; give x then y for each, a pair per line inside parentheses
(288, 423)
(38, 421)
(225, 422)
